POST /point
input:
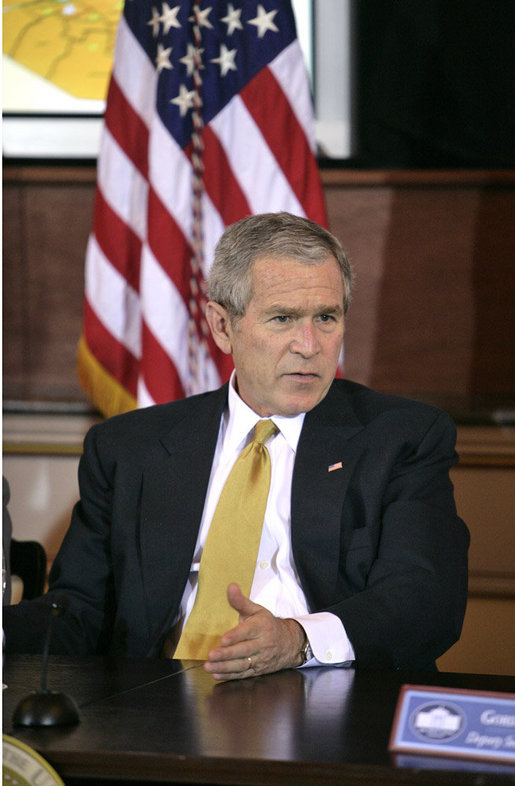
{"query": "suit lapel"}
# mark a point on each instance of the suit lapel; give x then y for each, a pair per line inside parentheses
(325, 461)
(174, 489)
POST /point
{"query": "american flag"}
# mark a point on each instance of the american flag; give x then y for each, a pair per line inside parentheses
(209, 119)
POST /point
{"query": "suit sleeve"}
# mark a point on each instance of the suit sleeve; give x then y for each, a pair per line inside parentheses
(80, 579)
(408, 562)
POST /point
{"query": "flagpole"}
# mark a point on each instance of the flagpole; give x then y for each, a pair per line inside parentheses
(195, 347)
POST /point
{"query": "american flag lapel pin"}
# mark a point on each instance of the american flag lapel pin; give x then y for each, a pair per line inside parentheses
(332, 467)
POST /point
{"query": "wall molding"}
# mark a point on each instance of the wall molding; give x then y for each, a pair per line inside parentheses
(45, 434)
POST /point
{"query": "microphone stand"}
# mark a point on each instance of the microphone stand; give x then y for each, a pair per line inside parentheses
(44, 707)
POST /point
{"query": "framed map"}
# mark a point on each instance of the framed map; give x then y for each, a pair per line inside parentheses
(57, 58)
(58, 55)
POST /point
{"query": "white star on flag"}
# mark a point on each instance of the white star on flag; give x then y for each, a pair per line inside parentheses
(184, 100)
(202, 19)
(163, 58)
(232, 20)
(189, 59)
(154, 22)
(169, 17)
(264, 21)
(225, 60)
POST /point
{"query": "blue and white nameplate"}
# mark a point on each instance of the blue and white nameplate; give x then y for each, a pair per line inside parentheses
(452, 722)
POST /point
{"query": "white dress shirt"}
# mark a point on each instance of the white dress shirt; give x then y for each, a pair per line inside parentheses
(276, 585)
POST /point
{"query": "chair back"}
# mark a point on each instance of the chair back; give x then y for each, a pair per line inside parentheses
(28, 561)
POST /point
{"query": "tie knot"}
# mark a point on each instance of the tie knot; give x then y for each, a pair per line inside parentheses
(263, 430)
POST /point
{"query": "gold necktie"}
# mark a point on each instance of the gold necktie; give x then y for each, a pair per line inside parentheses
(231, 547)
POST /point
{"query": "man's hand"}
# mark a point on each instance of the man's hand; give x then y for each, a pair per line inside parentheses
(259, 644)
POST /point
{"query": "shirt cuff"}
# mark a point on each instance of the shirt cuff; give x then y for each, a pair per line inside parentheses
(328, 639)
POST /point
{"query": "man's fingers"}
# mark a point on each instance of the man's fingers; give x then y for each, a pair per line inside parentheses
(243, 605)
(269, 642)
(236, 668)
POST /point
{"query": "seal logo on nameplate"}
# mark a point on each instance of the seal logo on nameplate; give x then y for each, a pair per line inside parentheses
(438, 721)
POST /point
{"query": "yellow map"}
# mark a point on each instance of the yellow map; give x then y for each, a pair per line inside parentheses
(70, 44)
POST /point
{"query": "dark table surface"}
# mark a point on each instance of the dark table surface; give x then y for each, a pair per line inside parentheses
(151, 721)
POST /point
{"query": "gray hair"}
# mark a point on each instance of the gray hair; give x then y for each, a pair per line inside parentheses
(275, 235)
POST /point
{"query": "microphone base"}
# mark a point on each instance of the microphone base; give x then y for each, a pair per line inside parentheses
(46, 708)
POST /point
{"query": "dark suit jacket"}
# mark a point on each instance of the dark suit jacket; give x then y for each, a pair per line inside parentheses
(377, 542)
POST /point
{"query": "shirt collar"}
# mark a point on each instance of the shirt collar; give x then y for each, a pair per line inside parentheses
(240, 419)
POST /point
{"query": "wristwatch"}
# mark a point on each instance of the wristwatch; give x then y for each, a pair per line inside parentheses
(306, 652)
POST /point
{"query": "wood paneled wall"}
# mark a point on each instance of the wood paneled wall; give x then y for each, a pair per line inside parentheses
(433, 312)
(434, 255)
(47, 217)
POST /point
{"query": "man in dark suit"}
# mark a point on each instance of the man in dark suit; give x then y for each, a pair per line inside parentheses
(362, 556)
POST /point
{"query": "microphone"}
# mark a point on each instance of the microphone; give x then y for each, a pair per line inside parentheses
(44, 707)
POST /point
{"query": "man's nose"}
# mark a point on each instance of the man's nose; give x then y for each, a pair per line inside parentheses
(305, 341)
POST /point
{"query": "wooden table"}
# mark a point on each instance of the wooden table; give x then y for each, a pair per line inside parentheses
(150, 721)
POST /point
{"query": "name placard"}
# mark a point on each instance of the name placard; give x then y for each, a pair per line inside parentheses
(455, 722)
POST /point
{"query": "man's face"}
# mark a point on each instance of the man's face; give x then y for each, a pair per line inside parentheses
(287, 345)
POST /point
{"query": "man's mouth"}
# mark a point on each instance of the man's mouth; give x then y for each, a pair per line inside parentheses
(302, 375)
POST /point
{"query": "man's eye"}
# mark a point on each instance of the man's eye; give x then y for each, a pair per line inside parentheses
(326, 318)
(281, 318)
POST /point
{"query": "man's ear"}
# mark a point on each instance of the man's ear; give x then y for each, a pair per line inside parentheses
(219, 325)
